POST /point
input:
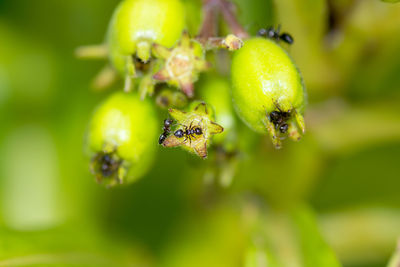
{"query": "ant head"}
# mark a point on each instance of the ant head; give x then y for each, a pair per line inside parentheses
(108, 165)
(283, 127)
(168, 122)
(274, 116)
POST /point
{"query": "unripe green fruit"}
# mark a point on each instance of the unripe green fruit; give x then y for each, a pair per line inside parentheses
(215, 91)
(265, 79)
(168, 98)
(124, 129)
(137, 24)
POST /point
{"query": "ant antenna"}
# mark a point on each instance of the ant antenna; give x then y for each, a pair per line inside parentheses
(278, 29)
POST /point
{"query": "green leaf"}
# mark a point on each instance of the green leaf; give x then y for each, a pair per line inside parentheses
(390, 1)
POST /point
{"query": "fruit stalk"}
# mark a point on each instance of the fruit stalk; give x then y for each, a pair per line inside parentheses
(209, 26)
(227, 9)
(209, 29)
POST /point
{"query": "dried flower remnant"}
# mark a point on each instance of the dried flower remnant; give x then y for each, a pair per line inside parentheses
(230, 42)
(183, 63)
(195, 129)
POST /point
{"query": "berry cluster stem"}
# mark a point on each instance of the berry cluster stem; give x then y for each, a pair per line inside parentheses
(209, 28)
(227, 9)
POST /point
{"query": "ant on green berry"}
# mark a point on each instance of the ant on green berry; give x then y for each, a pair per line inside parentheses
(275, 34)
(279, 118)
(105, 165)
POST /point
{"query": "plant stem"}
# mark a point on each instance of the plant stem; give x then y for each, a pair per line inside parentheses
(227, 9)
(209, 29)
(209, 26)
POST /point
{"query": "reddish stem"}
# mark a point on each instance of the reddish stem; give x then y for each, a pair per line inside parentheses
(211, 10)
(227, 9)
(209, 26)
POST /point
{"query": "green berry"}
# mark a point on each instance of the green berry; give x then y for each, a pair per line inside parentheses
(268, 90)
(168, 98)
(215, 91)
(122, 137)
(137, 24)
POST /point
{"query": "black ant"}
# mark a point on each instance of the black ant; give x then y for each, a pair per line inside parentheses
(188, 132)
(273, 33)
(279, 118)
(108, 165)
(105, 165)
(166, 129)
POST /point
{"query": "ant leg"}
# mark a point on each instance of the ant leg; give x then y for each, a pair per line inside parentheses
(190, 140)
(278, 30)
(202, 128)
(277, 106)
(190, 125)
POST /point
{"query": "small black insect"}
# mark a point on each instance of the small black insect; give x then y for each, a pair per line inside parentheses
(279, 118)
(189, 132)
(275, 117)
(162, 138)
(283, 127)
(273, 33)
(108, 165)
(167, 130)
(167, 124)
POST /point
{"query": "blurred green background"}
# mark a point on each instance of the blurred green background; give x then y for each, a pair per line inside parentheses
(334, 196)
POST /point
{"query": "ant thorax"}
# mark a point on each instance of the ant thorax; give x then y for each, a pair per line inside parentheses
(192, 130)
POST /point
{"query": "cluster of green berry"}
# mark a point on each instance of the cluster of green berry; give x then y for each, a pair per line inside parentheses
(148, 45)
